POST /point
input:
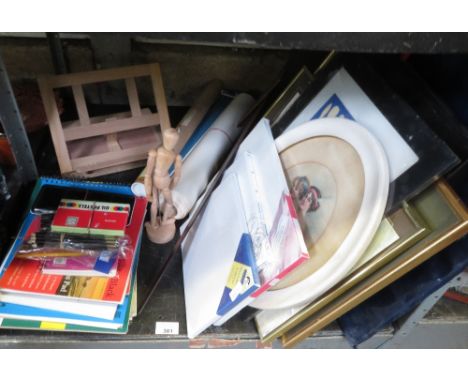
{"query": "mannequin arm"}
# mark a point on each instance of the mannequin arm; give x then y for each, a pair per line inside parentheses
(149, 174)
(177, 171)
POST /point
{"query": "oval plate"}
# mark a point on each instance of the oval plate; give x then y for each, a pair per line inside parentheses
(339, 177)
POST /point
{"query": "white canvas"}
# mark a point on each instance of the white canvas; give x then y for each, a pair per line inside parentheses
(210, 248)
(207, 260)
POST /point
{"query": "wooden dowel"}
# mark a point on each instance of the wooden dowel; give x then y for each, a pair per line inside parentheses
(109, 127)
(55, 125)
(80, 103)
(95, 162)
(160, 97)
(104, 75)
(133, 98)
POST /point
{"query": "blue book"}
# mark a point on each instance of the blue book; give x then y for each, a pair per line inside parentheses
(118, 312)
(42, 318)
(63, 183)
(17, 243)
(77, 184)
(23, 312)
(243, 278)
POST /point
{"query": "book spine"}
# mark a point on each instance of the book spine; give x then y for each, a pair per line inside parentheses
(17, 243)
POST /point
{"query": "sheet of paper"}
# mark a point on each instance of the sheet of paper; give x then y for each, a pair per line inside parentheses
(269, 320)
(342, 97)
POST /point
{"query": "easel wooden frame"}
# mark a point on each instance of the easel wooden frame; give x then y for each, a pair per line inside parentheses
(116, 159)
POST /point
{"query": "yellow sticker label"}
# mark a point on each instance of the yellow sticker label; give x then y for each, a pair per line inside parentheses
(238, 274)
(53, 325)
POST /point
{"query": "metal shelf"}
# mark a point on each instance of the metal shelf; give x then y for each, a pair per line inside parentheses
(13, 127)
(168, 303)
(395, 42)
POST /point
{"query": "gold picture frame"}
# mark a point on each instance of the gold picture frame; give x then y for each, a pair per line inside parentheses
(299, 85)
(447, 218)
(410, 227)
(286, 99)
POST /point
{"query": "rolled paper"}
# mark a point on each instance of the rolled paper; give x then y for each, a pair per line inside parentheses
(199, 166)
(197, 112)
(138, 187)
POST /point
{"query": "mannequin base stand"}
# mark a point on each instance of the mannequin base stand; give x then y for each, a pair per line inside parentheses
(162, 233)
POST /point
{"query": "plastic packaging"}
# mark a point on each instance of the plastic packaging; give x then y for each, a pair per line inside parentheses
(40, 243)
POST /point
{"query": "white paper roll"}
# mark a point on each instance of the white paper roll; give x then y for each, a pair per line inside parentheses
(200, 164)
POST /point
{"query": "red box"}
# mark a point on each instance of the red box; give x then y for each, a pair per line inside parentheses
(73, 216)
(109, 219)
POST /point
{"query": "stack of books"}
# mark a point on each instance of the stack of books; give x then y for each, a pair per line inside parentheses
(73, 264)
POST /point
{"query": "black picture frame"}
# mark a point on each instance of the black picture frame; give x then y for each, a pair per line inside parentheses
(393, 87)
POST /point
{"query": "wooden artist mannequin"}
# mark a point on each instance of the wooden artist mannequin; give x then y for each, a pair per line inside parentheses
(161, 227)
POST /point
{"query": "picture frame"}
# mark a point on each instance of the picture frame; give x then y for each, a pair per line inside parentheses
(299, 84)
(349, 174)
(410, 228)
(447, 218)
(293, 92)
(380, 103)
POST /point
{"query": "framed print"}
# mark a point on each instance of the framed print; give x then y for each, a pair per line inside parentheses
(289, 96)
(343, 97)
(357, 89)
(294, 92)
(408, 226)
(338, 176)
(447, 219)
(425, 90)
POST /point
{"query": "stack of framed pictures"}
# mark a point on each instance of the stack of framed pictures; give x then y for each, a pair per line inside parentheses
(350, 87)
(422, 215)
(399, 231)
(447, 219)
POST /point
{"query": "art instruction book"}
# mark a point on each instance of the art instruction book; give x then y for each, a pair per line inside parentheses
(27, 318)
(243, 278)
(285, 250)
(22, 281)
(57, 318)
(16, 323)
(14, 316)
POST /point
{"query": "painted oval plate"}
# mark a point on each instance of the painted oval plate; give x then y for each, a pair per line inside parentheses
(338, 176)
